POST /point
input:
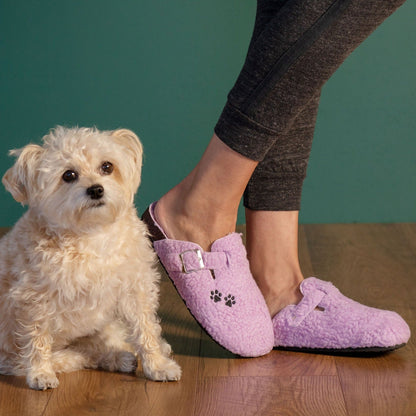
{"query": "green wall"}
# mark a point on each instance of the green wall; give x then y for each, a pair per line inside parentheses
(163, 69)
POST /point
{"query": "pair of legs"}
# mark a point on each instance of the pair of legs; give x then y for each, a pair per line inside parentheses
(263, 138)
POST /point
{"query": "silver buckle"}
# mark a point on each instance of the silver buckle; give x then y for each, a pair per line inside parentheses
(198, 253)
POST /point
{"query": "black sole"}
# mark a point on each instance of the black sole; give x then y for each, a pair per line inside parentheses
(350, 352)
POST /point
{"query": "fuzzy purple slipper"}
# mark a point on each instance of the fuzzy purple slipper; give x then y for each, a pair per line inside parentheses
(328, 322)
(218, 289)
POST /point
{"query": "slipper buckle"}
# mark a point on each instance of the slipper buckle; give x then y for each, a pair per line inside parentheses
(199, 261)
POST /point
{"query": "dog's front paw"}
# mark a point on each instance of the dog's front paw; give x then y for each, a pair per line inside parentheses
(162, 369)
(42, 381)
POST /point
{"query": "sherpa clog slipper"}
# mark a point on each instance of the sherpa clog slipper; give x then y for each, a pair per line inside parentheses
(325, 321)
(217, 288)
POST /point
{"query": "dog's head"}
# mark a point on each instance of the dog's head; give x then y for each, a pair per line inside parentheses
(79, 177)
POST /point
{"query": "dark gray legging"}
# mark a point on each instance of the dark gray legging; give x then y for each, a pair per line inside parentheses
(271, 111)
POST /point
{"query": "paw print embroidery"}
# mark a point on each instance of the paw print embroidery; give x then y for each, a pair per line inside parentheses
(229, 300)
(216, 296)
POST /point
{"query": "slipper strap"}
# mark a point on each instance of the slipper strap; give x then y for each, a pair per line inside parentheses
(311, 299)
(194, 260)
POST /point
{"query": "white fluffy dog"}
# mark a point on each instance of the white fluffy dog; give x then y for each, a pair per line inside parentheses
(78, 284)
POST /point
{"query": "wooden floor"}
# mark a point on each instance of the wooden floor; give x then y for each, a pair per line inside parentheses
(373, 263)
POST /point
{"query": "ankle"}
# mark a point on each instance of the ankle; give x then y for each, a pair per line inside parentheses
(183, 215)
(276, 301)
(280, 289)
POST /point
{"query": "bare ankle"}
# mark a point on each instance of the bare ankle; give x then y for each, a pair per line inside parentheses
(185, 217)
(280, 290)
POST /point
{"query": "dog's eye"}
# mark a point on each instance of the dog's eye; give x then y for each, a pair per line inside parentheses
(70, 176)
(107, 168)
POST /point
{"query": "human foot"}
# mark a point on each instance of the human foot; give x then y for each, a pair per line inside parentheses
(218, 289)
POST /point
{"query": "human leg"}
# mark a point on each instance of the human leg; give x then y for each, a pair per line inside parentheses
(203, 207)
(273, 257)
(271, 233)
(284, 102)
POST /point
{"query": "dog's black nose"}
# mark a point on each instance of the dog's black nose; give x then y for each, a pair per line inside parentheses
(95, 192)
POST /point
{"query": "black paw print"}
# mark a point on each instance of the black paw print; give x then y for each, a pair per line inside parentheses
(229, 300)
(216, 296)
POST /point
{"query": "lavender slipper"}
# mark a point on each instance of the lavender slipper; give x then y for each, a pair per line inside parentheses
(218, 289)
(327, 321)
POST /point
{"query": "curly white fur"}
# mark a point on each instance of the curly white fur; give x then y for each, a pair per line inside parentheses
(78, 284)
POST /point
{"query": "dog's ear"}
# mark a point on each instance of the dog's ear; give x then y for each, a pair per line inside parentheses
(131, 142)
(133, 146)
(19, 179)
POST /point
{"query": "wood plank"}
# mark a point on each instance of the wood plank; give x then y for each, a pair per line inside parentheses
(16, 399)
(270, 396)
(111, 394)
(275, 364)
(379, 386)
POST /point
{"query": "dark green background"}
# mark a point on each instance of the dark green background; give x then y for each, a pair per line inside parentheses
(163, 69)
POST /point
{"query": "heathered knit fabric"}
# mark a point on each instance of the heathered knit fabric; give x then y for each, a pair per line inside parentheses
(271, 110)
